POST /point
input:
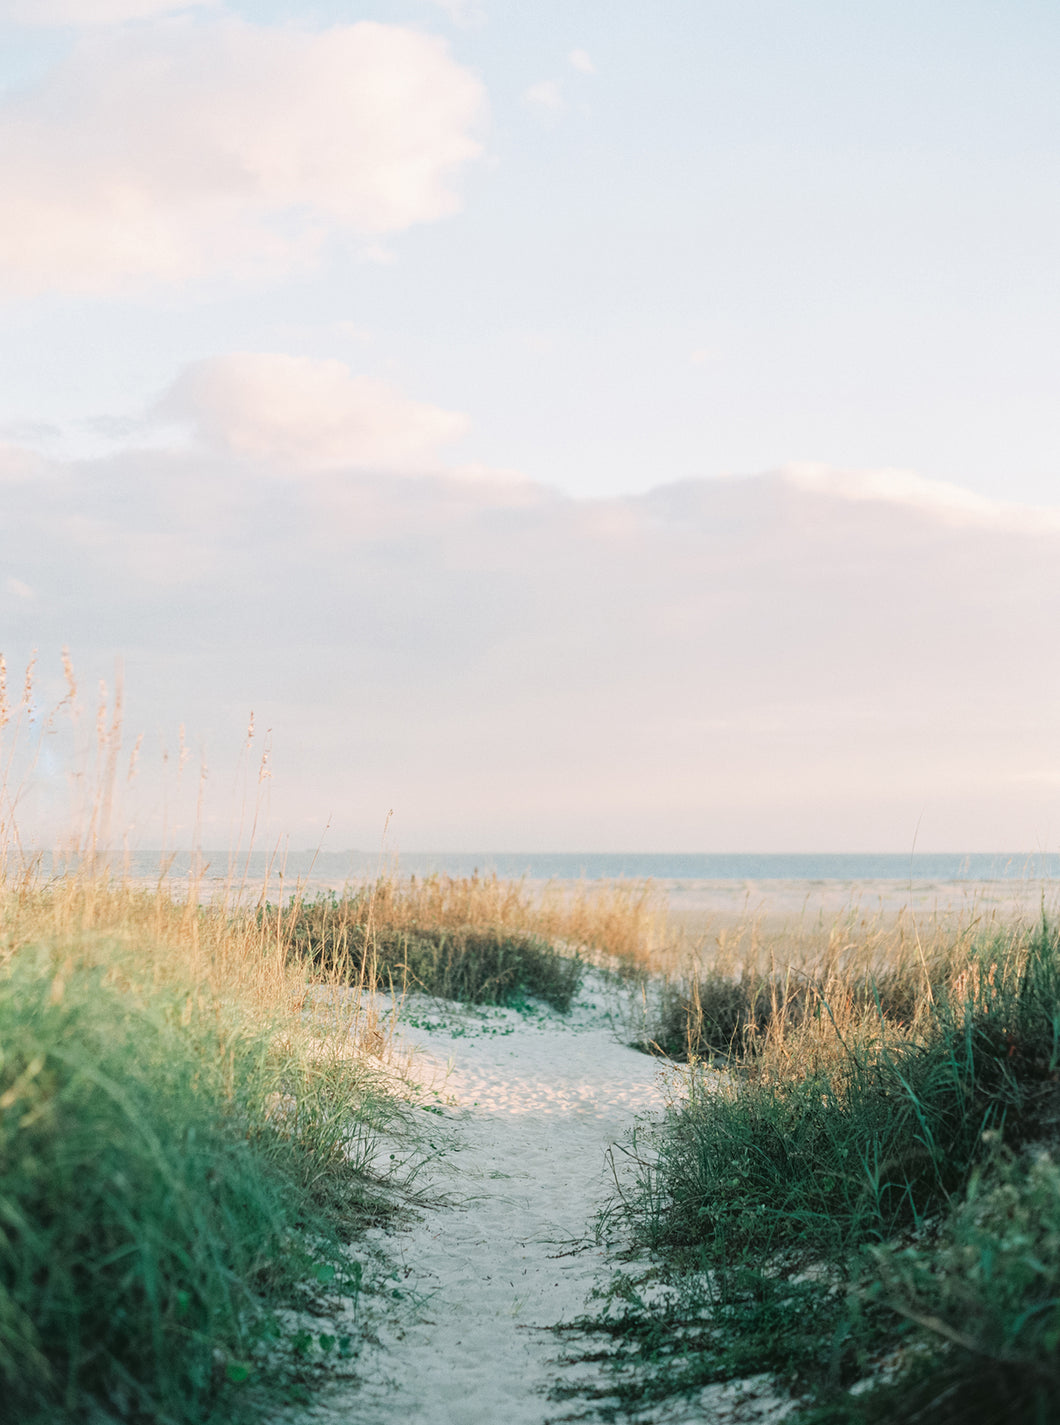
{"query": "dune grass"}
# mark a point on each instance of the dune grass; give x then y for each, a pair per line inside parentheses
(868, 1194)
(186, 1154)
(733, 993)
(477, 939)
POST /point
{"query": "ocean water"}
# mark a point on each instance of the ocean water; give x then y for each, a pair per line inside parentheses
(808, 868)
(741, 866)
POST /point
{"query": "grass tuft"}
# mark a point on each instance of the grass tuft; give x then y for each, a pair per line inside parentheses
(376, 936)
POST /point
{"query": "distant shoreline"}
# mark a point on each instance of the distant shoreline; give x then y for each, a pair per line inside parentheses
(914, 870)
(770, 889)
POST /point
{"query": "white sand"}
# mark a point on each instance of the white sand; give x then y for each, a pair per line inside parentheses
(536, 1103)
(804, 902)
(542, 1104)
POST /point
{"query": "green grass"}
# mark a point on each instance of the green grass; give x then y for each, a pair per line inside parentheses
(986, 1295)
(473, 964)
(170, 1176)
(870, 1196)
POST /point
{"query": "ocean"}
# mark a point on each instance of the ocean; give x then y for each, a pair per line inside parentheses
(810, 868)
(704, 866)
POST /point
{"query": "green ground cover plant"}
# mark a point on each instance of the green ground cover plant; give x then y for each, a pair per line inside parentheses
(186, 1157)
(867, 1198)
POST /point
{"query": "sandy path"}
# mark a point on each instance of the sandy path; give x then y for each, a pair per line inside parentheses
(507, 1247)
(537, 1104)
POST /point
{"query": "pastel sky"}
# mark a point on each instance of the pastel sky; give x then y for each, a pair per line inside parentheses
(573, 426)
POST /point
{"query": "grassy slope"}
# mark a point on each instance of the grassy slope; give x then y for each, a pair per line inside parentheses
(873, 1190)
(182, 1154)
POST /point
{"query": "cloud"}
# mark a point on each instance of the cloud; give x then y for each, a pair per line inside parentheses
(90, 12)
(903, 487)
(754, 661)
(307, 414)
(18, 462)
(29, 433)
(546, 96)
(579, 60)
(185, 148)
(17, 588)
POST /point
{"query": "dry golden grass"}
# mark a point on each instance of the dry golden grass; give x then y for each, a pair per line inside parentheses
(786, 992)
(797, 987)
(625, 922)
(218, 955)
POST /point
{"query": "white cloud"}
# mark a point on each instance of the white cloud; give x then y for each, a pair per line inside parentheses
(184, 148)
(18, 462)
(546, 96)
(578, 59)
(903, 487)
(307, 414)
(17, 588)
(90, 12)
(768, 662)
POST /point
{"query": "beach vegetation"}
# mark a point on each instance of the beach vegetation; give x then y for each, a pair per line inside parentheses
(859, 1196)
(474, 964)
(188, 1147)
(476, 939)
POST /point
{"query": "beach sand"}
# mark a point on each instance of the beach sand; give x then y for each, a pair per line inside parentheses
(509, 1247)
(702, 909)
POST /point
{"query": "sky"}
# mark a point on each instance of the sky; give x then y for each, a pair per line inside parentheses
(611, 426)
